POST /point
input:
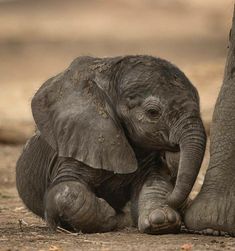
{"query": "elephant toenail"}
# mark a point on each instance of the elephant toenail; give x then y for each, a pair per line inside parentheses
(171, 217)
(157, 217)
(144, 225)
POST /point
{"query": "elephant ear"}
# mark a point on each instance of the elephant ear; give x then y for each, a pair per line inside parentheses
(75, 116)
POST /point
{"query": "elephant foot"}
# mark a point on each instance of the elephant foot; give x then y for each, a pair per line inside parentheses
(163, 220)
(212, 213)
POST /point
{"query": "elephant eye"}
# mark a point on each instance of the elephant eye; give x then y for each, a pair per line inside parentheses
(153, 113)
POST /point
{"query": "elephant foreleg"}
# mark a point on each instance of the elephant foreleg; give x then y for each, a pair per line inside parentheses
(149, 209)
(72, 205)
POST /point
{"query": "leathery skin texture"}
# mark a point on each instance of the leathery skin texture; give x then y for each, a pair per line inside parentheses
(112, 131)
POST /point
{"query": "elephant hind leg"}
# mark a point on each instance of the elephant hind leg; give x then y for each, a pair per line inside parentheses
(72, 205)
(32, 172)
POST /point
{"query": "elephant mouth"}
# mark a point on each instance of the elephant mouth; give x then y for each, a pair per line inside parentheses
(165, 144)
(171, 148)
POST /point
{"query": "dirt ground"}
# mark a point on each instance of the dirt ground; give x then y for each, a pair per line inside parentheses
(21, 230)
(40, 38)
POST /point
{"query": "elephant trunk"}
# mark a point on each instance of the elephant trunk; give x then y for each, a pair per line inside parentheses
(191, 138)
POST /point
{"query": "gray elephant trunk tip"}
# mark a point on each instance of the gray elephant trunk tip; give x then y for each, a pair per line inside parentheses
(173, 200)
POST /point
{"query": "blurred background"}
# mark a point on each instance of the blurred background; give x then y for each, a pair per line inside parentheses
(38, 39)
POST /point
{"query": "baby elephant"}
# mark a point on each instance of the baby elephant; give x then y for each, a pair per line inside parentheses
(109, 131)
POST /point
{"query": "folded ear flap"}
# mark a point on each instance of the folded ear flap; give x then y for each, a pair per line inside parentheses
(74, 116)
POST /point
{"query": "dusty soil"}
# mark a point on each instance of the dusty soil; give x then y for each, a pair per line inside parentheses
(40, 38)
(21, 230)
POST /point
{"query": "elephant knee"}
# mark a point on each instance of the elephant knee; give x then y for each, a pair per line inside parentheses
(63, 202)
(73, 206)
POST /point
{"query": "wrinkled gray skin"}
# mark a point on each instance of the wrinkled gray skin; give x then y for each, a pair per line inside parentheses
(213, 210)
(110, 131)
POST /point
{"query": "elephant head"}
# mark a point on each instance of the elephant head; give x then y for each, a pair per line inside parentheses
(98, 110)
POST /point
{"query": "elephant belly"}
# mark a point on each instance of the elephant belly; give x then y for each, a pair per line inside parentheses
(116, 190)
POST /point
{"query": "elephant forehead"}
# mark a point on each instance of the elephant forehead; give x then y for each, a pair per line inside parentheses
(154, 84)
(184, 101)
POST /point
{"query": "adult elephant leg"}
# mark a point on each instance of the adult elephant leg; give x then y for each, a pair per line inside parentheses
(73, 206)
(213, 211)
(149, 208)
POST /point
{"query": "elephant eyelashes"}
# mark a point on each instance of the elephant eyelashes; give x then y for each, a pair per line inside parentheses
(153, 113)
